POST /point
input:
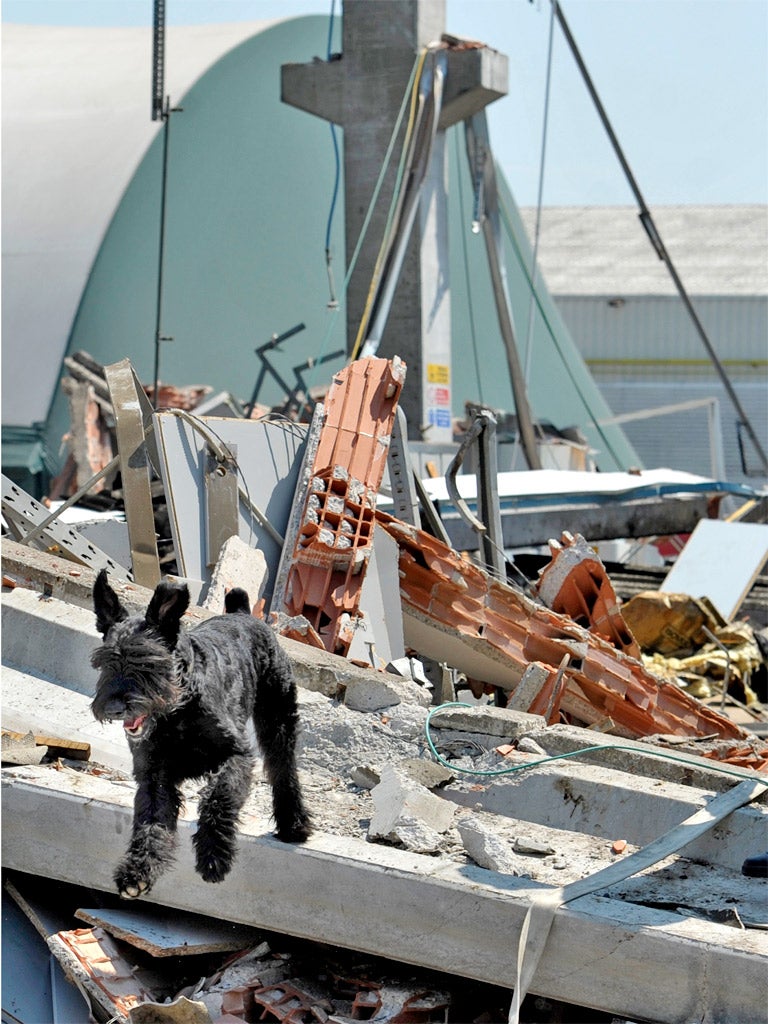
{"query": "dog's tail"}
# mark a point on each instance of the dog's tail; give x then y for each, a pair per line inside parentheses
(237, 600)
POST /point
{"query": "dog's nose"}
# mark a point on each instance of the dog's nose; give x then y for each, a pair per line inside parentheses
(113, 708)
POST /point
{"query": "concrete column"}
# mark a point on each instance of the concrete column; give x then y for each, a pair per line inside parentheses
(363, 92)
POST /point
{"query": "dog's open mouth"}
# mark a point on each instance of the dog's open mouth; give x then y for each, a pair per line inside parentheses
(135, 726)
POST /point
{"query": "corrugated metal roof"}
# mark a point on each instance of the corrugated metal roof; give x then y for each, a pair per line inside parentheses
(717, 250)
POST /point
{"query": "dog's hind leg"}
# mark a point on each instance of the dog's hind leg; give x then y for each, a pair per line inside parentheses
(153, 842)
(275, 720)
(221, 801)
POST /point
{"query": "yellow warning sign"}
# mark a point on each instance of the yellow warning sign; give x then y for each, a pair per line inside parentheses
(438, 373)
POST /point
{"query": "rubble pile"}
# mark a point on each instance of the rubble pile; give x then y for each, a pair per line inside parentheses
(497, 774)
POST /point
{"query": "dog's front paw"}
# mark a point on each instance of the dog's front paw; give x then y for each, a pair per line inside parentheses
(130, 885)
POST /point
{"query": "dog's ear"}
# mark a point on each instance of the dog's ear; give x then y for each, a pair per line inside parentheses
(106, 604)
(168, 604)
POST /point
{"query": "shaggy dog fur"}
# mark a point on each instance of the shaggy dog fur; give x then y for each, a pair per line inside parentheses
(185, 698)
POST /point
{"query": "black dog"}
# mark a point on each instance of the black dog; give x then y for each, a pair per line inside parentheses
(185, 697)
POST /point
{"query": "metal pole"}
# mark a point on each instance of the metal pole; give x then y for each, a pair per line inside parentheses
(487, 214)
(161, 249)
(650, 228)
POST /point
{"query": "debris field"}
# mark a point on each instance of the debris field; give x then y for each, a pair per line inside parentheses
(533, 800)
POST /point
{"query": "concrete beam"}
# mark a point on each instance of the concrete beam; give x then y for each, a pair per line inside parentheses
(53, 637)
(617, 805)
(475, 78)
(428, 911)
(317, 88)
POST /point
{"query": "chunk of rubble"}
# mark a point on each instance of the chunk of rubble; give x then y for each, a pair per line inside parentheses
(377, 691)
(484, 846)
(416, 836)
(400, 802)
(238, 565)
(576, 584)
(454, 611)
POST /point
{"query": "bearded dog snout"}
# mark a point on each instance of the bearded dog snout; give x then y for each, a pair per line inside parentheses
(107, 706)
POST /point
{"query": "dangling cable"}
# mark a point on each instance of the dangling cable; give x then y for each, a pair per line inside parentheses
(333, 301)
(539, 202)
(389, 228)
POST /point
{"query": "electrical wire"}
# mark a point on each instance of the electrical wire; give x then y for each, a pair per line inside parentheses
(510, 234)
(493, 772)
(333, 303)
(394, 207)
(539, 201)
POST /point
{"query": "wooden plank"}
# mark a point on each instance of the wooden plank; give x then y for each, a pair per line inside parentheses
(431, 912)
(58, 746)
(170, 933)
(720, 561)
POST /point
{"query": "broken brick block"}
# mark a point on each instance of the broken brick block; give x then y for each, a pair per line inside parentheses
(335, 538)
(576, 584)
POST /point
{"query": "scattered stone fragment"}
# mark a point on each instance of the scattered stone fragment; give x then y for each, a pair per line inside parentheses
(371, 694)
(398, 800)
(239, 565)
(529, 746)
(533, 847)
(374, 691)
(416, 836)
(409, 668)
(427, 773)
(485, 847)
(365, 777)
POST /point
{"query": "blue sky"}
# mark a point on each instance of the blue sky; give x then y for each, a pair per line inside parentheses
(684, 82)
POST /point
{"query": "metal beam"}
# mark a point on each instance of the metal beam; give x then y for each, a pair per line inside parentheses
(133, 417)
(522, 527)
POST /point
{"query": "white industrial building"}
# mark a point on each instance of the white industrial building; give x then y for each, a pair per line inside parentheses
(631, 326)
